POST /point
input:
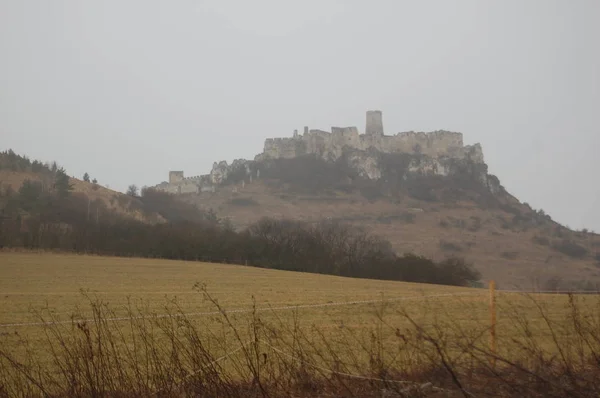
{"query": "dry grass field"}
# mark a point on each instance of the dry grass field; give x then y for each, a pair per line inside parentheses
(331, 322)
(33, 281)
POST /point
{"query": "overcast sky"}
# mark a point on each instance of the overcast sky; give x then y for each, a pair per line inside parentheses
(128, 90)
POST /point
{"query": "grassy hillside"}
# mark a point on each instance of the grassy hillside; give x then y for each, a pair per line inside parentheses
(50, 212)
(101, 197)
(32, 280)
(510, 242)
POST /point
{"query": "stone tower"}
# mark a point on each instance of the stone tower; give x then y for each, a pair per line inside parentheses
(374, 123)
(175, 177)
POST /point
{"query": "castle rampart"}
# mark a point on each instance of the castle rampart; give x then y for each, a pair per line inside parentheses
(330, 144)
(175, 177)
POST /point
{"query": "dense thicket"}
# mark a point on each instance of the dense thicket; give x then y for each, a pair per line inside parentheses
(52, 217)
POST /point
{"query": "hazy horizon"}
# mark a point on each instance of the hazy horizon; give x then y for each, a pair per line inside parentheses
(129, 90)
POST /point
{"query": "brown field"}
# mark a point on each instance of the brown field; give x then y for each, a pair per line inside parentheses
(316, 315)
(33, 281)
(39, 284)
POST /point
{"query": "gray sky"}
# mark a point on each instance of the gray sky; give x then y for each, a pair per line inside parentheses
(128, 90)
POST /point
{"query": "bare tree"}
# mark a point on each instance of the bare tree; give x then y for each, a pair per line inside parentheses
(132, 190)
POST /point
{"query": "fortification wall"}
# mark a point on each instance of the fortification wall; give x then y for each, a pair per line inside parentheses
(437, 143)
(329, 145)
(474, 152)
(189, 187)
(194, 179)
(175, 176)
(322, 143)
(317, 141)
(285, 147)
(345, 136)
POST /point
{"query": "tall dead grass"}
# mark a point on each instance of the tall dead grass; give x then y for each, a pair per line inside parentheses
(266, 355)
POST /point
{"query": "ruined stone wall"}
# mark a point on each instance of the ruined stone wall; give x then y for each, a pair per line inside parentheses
(317, 141)
(179, 184)
(474, 152)
(330, 145)
(189, 187)
(437, 143)
(175, 177)
(285, 147)
(345, 136)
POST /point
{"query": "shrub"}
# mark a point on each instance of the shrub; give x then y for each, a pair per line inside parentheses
(406, 217)
(243, 202)
(570, 248)
(476, 225)
(541, 240)
(510, 255)
(450, 246)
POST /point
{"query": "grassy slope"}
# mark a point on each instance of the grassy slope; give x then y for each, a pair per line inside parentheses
(30, 280)
(108, 196)
(510, 257)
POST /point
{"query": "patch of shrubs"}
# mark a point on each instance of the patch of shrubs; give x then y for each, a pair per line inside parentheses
(570, 248)
(541, 240)
(510, 255)
(243, 202)
(450, 246)
(476, 224)
(406, 217)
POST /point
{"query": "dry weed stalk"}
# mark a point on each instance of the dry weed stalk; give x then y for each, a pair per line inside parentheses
(267, 355)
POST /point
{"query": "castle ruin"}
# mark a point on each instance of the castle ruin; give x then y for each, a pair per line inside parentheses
(374, 123)
(330, 145)
(436, 145)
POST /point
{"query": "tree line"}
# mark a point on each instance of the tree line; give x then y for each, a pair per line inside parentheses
(51, 217)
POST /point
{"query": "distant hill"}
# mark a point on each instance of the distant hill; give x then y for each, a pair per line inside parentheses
(426, 193)
(42, 208)
(90, 198)
(101, 197)
(510, 243)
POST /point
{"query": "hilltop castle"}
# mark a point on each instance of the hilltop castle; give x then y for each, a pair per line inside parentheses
(330, 146)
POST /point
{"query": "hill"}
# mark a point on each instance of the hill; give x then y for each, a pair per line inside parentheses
(88, 197)
(506, 244)
(101, 198)
(45, 213)
(427, 193)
